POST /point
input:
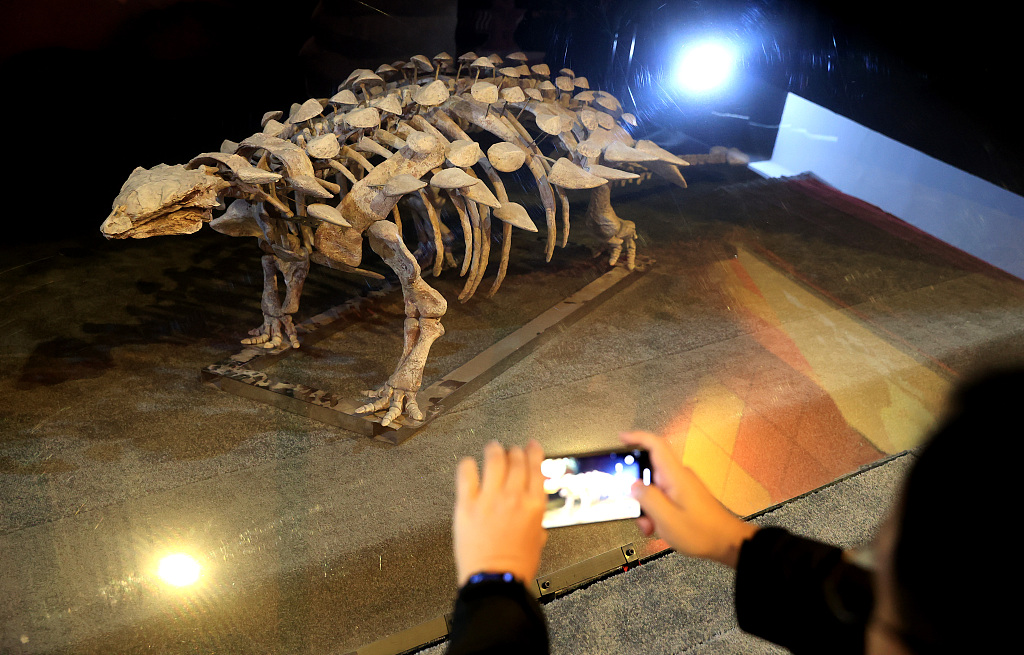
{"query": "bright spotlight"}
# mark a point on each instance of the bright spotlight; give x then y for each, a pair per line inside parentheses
(705, 66)
(179, 570)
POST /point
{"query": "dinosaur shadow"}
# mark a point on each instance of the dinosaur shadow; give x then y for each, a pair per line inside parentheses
(214, 298)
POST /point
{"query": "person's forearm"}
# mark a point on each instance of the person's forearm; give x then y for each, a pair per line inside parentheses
(801, 594)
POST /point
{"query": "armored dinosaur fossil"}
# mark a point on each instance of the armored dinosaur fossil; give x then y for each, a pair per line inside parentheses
(310, 186)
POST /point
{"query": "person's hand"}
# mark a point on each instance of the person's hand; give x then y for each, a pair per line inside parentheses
(681, 509)
(497, 522)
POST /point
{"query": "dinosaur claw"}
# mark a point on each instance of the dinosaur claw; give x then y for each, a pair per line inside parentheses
(375, 406)
(613, 259)
(412, 408)
(275, 332)
(396, 401)
(392, 413)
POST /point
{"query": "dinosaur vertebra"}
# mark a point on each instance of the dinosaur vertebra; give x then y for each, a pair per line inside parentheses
(312, 187)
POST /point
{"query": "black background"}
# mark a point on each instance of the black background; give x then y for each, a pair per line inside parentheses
(93, 89)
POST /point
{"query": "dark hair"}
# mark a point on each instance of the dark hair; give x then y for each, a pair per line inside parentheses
(954, 543)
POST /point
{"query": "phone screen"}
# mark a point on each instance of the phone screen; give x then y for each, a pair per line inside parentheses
(593, 487)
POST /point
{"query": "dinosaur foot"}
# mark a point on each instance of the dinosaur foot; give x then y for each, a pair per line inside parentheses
(615, 251)
(274, 333)
(395, 400)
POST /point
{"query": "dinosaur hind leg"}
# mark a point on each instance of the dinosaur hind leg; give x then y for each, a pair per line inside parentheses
(424, 308)
(615, 232)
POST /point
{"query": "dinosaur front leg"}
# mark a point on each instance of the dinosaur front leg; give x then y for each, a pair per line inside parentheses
(277, 313)
(424, 308)
(616, 232)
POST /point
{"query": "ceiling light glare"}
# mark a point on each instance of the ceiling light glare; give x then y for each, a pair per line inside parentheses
(179, 570)
(705, 66)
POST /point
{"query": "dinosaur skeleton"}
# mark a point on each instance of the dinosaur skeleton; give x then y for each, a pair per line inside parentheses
(311, 186)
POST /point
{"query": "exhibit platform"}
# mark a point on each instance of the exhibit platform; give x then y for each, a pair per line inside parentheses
(785, 337)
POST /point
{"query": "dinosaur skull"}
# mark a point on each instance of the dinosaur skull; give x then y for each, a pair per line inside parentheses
(163, 200)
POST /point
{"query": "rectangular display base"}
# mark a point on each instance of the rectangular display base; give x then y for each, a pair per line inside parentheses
(243, 374)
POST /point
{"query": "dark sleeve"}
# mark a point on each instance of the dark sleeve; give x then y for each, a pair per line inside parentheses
(801, 594)
(497, 617)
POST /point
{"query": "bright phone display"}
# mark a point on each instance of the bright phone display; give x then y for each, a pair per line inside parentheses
(593, 487)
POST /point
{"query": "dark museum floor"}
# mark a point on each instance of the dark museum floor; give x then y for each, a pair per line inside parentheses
(785, 337)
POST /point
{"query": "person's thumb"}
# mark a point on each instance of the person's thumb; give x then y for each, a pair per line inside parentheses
(656, 505)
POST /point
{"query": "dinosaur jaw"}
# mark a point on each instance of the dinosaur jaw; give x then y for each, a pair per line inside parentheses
(184, 220)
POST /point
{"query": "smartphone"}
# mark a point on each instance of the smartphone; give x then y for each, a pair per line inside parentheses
(593, 487)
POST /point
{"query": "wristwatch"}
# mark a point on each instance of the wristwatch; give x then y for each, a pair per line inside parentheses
(478, 578)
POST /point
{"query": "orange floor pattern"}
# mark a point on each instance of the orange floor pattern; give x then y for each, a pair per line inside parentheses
(777, 421)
